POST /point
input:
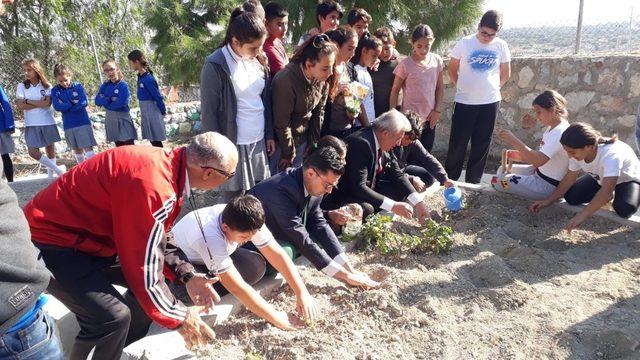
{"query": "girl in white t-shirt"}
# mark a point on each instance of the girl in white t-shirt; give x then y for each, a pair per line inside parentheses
(544, 168)
(612, 171)
(367, 52)
(33, 96)
(479, 66)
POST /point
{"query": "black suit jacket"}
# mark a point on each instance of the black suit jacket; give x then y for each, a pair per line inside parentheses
(416, 154)
(283, 199)
(360, 169)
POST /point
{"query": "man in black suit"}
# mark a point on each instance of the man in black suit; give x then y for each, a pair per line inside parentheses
(291, 201)
(367, 160)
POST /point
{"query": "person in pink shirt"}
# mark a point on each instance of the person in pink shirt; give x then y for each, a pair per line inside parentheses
(277, 19)
(420, 78)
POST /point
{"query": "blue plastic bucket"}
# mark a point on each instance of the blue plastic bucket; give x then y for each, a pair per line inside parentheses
(453, 198)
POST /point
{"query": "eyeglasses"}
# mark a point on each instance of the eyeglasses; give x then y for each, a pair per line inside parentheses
(484, 33)
(320, 40)
(108, 70)
(227, 175)
(327, 185)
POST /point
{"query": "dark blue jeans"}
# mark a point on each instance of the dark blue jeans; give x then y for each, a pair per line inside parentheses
(37, 341)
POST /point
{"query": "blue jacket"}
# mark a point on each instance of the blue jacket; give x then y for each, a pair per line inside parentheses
(72, 103)
(114, 96)
(283, 199)
(6, 114)
(148, 90)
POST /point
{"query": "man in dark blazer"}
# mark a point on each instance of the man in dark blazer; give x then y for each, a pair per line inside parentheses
(367, 159)
(291, 201)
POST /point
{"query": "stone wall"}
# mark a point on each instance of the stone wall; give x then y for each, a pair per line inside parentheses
(604, 92)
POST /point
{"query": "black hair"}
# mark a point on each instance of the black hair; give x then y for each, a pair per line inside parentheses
(327, 140)
(244, 213)
(367, 41)
(313, 49)
(325, 159)
(552, 100)
(385, 35)
(255, 7)
(61, 69)
(138, 55)
(341, 35)
(579, 135)
(492, 19)
(326, 7)
(358, 14)
(273, 10)
(245, 26)
(421, 31)
(415, 121)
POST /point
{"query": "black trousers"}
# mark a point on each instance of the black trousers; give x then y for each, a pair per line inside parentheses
(83, 283)
(470, 123)
(626, 198)
(420, 172)
(7, 165)
(428, 136)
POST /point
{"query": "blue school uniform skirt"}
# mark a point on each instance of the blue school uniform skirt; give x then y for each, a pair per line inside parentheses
(41, 136)
(6, 144)
(152, 121)
(119, 126)
(80, 137)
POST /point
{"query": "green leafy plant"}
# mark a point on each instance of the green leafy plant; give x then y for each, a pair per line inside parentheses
(387, 237)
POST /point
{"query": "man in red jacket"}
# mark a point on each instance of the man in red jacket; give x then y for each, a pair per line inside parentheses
(118, 206)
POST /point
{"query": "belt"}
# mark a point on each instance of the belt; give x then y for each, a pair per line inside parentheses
(544, 177)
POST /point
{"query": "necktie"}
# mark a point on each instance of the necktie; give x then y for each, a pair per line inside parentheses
(380, 169)
(307, 199)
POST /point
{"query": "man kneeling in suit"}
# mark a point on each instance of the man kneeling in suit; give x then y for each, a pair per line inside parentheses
(367, 159)
(291, 201)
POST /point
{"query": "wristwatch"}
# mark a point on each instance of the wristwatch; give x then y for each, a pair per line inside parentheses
(188, 276)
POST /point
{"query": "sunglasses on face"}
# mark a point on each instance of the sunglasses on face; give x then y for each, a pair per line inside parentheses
(227, 175)
(484, 33)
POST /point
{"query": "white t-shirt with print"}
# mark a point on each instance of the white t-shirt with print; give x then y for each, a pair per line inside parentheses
(248, 79)
(365, 79)
(188, 237)
(617, 159)
(556, 167)
(479, 73)
(38, 116)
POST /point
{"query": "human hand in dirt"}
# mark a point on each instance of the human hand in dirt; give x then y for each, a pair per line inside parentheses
(449, 183)
(271, 147)
(284, 321)
(306, 307)
(575, 222)
(418, 184)
(539, 205)
(528, 121)
(433, 118)
(193, 330)
(201, 292)
(421, 211)
(402, 209)
(361, 280)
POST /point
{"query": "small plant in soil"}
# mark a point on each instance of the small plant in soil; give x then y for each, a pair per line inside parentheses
(389, 237)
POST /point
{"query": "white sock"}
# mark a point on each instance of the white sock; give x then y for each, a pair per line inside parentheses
(79, 158)
(54, 166)
(50, 164)
(89, 154)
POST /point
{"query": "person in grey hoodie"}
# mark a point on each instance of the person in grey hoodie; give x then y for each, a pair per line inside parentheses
(26, 331)
(236, 100)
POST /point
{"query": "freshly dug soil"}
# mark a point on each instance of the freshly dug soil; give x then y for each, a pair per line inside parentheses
(514, 286)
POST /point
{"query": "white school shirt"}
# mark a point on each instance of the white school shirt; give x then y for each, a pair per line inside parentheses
(556, 167)
(617, 159)
(248, 79)
(365, 79)
(188, 237)
(479, 73)
(38, 116)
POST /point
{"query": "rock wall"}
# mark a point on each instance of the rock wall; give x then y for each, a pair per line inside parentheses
(604, 92)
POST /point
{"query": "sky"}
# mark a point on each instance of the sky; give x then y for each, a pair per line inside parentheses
(563, 12)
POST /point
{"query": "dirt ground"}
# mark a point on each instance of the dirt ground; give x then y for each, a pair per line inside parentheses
(514, 286)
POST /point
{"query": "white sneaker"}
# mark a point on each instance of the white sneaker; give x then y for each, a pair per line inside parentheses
(52, 174)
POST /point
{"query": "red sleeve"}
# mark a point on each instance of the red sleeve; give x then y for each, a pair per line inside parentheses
(276, 61)
(140, 209)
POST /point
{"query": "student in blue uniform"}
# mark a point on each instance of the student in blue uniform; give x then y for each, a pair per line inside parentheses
(152, 108)
(7, 128)
(114, 97)
(70, 99)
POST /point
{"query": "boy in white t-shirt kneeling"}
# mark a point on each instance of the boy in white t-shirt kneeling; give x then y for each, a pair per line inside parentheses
(612, 171)
(211, 237)
(543, 169)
